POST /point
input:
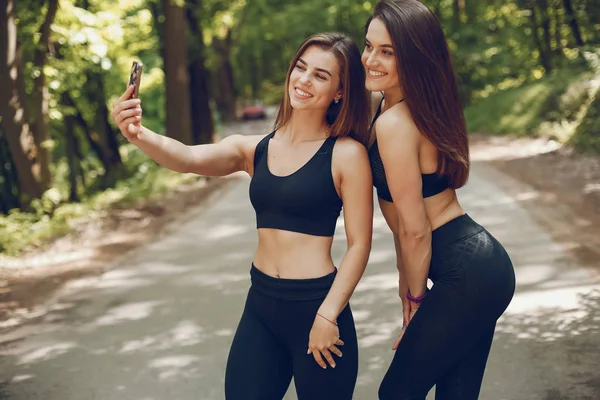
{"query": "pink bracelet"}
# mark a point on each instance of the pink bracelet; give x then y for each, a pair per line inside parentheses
(416, 300)
(327, 319)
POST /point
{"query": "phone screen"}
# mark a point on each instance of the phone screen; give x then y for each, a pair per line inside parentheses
(135, 78)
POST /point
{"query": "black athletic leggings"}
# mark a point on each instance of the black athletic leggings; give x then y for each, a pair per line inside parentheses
(448, 340)
(271, 343)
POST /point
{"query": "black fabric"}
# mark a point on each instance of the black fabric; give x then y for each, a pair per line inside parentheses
(448, 340)
(271, 343)
(305, 201)
(432, 184)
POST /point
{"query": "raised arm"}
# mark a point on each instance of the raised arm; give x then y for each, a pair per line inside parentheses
(233, 153)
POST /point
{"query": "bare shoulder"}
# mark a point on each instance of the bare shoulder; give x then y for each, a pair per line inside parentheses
(347, 149)
(245, 147)
(396, 123)
(244, 143)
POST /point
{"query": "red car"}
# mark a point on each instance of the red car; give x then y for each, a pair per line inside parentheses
(256, 111)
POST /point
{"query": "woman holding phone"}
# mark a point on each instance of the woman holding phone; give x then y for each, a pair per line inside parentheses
(297, 320)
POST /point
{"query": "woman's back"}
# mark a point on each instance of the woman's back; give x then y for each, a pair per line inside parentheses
(440, 207)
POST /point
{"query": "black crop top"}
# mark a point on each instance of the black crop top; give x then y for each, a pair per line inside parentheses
(305, 201)
(432, 183)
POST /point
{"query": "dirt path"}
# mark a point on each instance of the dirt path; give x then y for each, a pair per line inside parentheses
(567, 181)
(93, 246)
(159, 325)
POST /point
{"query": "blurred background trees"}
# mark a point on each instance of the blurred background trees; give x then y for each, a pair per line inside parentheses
(524, 66)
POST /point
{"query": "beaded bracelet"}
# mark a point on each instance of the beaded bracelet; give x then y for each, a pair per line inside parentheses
(416, 300)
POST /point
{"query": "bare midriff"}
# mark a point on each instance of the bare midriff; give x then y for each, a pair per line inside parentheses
(293, 255)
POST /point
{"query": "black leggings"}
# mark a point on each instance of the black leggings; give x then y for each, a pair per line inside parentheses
(448, 340)
(271, 343)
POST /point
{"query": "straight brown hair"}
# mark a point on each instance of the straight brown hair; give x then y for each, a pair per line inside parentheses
(349, 117)
(428, 82)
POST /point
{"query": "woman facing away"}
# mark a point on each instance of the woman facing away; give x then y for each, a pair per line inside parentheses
(297, 320)
(419, 156)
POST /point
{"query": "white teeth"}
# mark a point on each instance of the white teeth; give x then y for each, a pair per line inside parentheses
(303, 93)
(376, 73)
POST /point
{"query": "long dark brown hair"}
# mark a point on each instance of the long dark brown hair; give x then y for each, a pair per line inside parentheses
(349, 117)
(428, 82)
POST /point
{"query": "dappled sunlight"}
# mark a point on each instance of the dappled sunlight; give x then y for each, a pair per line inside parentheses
(21, 378)
(186, 333)
(379, 332)
(553, 315)
(116, 279)
(509, 148)
(174, 366)
(161, 269)
(383, 256)
(535, 303)
(47, 352)
(216, 279)
(533, 274)
(225, 231)
(378, 283)
(377, 362)
(128, 312)
(238, 257)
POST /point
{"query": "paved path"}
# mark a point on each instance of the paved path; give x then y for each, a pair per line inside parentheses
(159, 324)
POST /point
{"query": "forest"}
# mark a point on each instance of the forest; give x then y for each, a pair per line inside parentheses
(525, 67)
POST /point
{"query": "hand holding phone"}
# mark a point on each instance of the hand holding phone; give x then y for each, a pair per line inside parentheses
(135, 78)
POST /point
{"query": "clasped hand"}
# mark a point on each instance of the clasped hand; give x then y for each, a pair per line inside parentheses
(323, 341)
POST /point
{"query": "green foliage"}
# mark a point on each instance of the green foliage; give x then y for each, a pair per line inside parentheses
(497, 48)
(563, 105)
(587, 135)
(51, 217)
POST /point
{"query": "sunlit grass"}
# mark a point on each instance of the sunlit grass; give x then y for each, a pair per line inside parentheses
(551, 106)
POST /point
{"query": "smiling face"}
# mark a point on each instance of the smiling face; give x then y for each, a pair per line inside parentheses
(315, 80)
(379, 59)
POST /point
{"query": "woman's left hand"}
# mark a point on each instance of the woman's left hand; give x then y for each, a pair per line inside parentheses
(413, 307)
(323, 341)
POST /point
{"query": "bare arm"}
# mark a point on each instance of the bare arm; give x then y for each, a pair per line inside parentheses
(399, 140)
(357, 194)
(232, 154)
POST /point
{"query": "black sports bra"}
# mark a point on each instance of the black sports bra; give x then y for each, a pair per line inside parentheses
(432, 183)
(305, 201)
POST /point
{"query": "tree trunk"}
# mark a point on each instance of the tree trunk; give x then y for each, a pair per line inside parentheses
(23, 150)
(39, 96)
(538, 42)
(437, 10)
(573, 24)
(91, 137)
(202, 121)
(456, 14)
(104, 133)
(72, 158)
(471, 11)
(225, 96)
(546, 30)
(178, 121)
(557, 28)
(9, 190)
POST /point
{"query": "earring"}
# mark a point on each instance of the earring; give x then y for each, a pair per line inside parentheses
(336, 101)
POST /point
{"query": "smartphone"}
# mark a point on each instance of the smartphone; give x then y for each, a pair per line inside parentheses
(135, 78)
